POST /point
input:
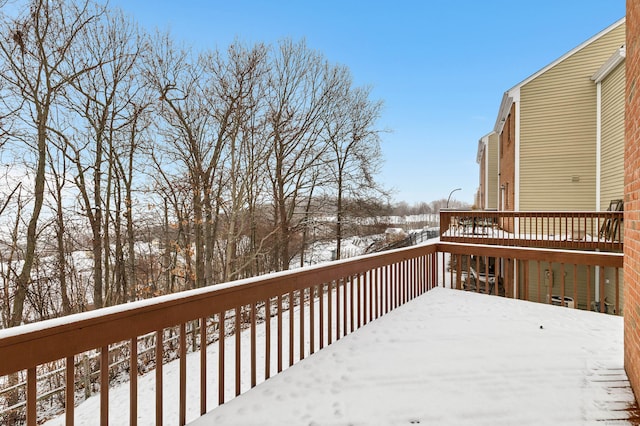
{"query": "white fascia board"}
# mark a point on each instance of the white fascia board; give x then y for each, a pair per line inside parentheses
(503, 112)
(482, 143)
(610, 64)
(510, 97)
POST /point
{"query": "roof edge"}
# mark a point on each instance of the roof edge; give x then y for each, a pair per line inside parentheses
(571, 53)
(503, 112)
(616, 59)
(482, 142)
(509, 95)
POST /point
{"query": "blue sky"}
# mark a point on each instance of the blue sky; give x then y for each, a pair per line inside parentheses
(440, 67)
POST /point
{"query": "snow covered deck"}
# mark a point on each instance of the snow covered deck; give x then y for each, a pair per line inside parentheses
(453, 357)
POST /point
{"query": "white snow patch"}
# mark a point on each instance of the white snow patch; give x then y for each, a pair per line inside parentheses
(451, 357)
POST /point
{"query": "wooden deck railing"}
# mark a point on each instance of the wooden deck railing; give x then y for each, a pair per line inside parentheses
(580, 279)
(332, 301)
(573, 230)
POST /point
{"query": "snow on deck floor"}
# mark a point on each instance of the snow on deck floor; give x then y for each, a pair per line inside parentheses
(452, 357)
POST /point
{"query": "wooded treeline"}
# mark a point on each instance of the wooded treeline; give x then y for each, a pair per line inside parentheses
(173, 168)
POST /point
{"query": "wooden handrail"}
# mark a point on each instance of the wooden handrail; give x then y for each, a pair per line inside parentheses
(34, 344)
(588, 230)
(364, 288)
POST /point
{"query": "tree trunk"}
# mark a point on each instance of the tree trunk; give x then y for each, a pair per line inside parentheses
(29, 254)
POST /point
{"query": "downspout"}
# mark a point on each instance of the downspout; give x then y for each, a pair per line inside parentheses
(516, 182)
(486, 174)
(598, 168)
(598, 141)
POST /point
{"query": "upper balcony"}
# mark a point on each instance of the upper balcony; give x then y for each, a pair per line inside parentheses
(241, 333)
(571, 230)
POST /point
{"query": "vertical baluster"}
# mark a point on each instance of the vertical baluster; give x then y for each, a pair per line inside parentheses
(203, 366)
(618, 291)
(458, 270)
(70, 389)
(376, 296)
(183, 374)
(358, 301)
(159, 364)
(539, 296)
(409, 279)
(372, 293)
(32, 398)
(104, 385)
(387, 273)
(221, 337)
(279, 333)
(254, 349)
(434, 264)
(337, 309)
(549, 271)
(575, 286)
(267, 339)
(321, 315)
(312, 319)
(291, 318)
(478, 271)
(451, 257)
(602, 295)
(562, 284)
(345, 305)
(406, 283)
(301, 324)
(365, 296)
(238, 341)
(588, 287)
(526, 279)
(133, 382)
(507, 277)
(397, 280)
(330, 313)
(406, 280)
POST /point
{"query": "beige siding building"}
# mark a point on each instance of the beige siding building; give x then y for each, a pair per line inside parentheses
(551, 118)
(487, 159)
(559, 136)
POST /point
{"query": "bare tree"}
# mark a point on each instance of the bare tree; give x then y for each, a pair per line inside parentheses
(236, 95)
(37, 70)
(99, 104)
(179, 82)
(354, 150)
(298, 94)
(58, 170)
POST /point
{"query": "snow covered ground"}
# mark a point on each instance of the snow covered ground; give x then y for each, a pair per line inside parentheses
(447, 357)
(453, 357)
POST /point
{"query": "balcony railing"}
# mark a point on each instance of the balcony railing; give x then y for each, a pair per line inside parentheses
(573, 230)
(331, 300)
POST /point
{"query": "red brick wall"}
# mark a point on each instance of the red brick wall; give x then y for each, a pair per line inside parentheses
(632, 199)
